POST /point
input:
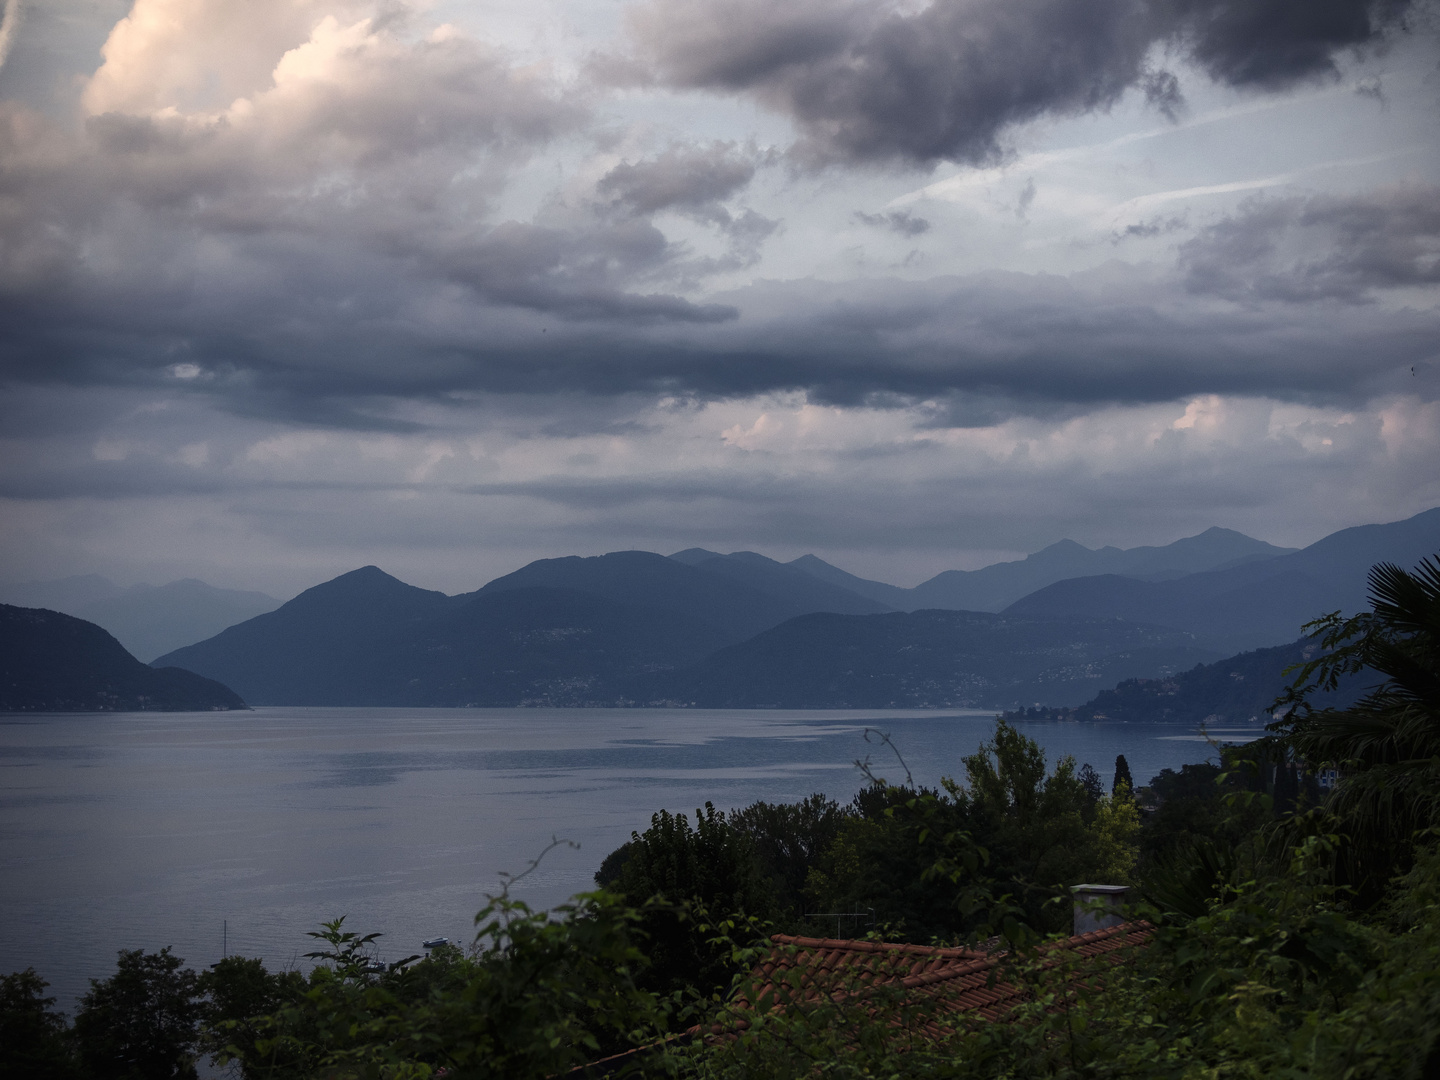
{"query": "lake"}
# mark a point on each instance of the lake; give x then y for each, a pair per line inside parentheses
(209, 831)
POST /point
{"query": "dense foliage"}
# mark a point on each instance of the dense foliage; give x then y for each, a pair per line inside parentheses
(1387, 745)
(1296, 928)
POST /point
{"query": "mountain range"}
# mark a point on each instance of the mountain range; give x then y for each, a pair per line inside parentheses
(1253, 604)
(147, 620)
(742, 630)
(151, 621)
(558, 631)
(996, 587)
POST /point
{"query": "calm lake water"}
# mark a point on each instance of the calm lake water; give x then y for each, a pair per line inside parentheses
(142, 830)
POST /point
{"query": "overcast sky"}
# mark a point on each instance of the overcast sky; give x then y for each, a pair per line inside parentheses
(292, 286)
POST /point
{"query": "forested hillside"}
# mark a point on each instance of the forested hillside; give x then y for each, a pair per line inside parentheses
(1239, 689)
(51, 662)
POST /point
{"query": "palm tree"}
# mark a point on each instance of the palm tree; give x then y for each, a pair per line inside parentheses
(1386, 747)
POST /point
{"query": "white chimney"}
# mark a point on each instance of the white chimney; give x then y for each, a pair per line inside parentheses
(1098, 907)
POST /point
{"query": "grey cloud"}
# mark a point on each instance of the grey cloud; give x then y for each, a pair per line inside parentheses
(1276, 43)
(693, 180)
(1151, 227)
(1320, 247)
(327, 217)
(9, 23)
(1162, 93)
(465, 523)
(985, 346)
(577, 273)
(1025, 199)
(865, 83)
(1374, 89)
(305, 294)
(1030, 343)
(900, 221)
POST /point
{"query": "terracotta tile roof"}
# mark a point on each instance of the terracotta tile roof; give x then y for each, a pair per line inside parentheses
(947, 985)
(800, 968)
(949, 982)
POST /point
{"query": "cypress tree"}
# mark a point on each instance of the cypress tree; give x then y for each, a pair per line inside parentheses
(1122, 776)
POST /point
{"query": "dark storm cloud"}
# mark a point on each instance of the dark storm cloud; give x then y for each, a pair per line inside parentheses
(988, 345)
(867, 83)
(1275, 43)
(1321, 247)
(1035, 343)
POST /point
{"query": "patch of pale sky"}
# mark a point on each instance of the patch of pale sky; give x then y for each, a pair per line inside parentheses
(1142, 203)
(796, 436)
(955, 186)
(1091, 176)
(1412, 428)
(194, 455)
(259, 536)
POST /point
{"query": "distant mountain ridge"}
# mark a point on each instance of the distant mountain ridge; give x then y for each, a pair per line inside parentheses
(698, 627)
(739, 595)
(316, 649)
(995, 587)
(148, 620)
(891, 595)
(638, 628)
(52, 662)
(586, 625)
(1254, 604)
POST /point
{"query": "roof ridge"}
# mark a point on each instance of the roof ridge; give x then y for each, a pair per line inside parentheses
(863, 945)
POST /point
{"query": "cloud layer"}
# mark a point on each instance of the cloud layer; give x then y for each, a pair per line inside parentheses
(878, 82)
(310, 272)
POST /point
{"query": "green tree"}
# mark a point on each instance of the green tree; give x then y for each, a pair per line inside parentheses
(1386, 747)
(1043, 828)
(34, 1038)
(788, 840)
(1122, 776)
(881, 861)
(141, 1023)
(236, 991)
(538, 995)
(710, 868)
(1193, 805)
(1013, 828)
(1091, 782)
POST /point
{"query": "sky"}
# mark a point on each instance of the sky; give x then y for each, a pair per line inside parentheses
(294, 286)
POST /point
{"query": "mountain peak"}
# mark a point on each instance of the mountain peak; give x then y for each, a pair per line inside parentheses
(368, 585)
(1067, 548)
(692, 556)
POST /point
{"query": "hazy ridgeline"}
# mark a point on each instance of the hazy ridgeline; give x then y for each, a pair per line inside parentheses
(742, 631)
